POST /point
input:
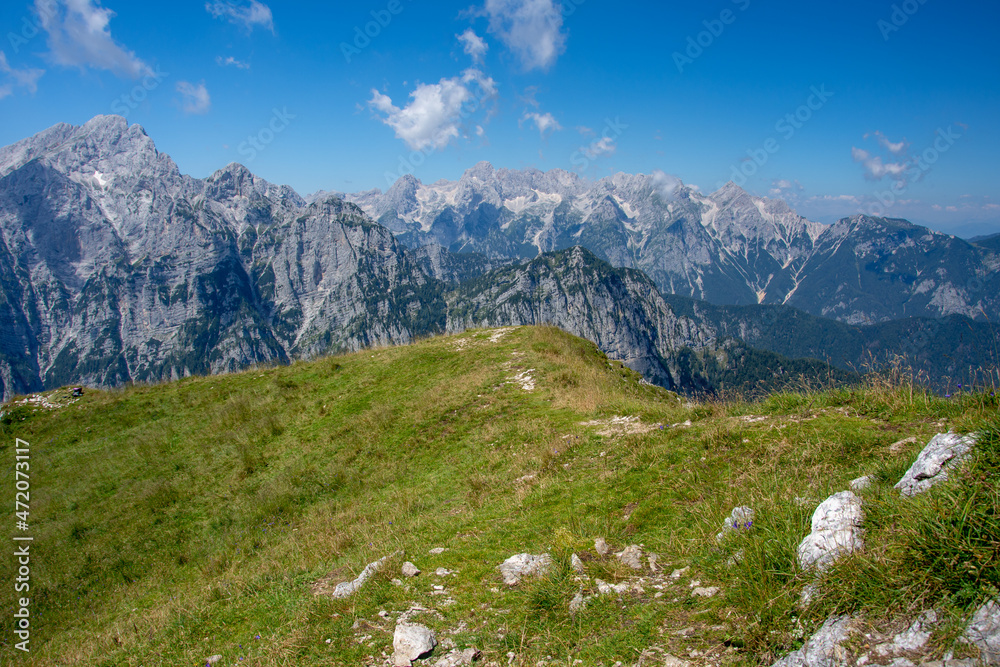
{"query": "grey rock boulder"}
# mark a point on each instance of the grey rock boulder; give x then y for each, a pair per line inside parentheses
(942, 453)
(836, 531)
(411, 641)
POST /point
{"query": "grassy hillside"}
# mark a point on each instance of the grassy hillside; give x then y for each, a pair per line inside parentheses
(211, 515)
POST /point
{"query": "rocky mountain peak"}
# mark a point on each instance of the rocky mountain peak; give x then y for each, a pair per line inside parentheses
(481, 170)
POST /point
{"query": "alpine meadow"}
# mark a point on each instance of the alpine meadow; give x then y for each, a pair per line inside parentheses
(500, 333)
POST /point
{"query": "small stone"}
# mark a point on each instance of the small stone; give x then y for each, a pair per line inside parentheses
(673, 661)
(458, 658)
(604, 588)
(410, 570)
(411, 641)
(677, 574)
(652, 563)
(437, 550)
(442, 572)
(211, 660)
(705, 592)
(522, 565)
(741, 518)
(631, 556)
(861, 483)
(578, 602)
(601, 547)
(576, 564)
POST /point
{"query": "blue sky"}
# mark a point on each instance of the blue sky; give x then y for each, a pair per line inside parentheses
(837, 107)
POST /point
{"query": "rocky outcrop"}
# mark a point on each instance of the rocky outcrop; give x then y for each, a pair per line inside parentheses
(824, 648)
(944, 452)
(836, 531)
(984, 632)
(349, 588)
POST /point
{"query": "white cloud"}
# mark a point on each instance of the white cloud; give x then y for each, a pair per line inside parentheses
(602, 146)
(78, 36)
(665, 184)
(894, 148)
(473, 45)
(196, 98)
(543, 121)
(230, 61)
(785, 188)
(436, 111)
(248, 16)
(532, 29)
(875, 168)
(850, 199)
(22, 78)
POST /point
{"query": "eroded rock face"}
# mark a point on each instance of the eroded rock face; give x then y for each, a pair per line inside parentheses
(944, 452)
(836, 531)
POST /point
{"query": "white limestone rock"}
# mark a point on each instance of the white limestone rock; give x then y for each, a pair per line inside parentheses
(942, 453)
(836, 532)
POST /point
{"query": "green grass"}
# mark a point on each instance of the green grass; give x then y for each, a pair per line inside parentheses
(178, 521)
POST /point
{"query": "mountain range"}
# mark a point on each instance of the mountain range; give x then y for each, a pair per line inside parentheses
(115, 267)
(727, 247)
